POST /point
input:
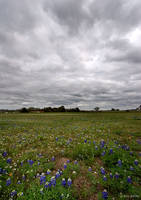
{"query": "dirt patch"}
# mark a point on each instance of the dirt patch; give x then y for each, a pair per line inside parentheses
(60, 163)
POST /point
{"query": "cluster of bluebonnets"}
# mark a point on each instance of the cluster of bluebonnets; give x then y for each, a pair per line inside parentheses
(113, 157)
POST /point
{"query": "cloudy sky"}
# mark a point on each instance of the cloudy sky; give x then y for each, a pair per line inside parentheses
(76, 53)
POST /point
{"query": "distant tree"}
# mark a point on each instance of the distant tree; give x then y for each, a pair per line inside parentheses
(96, 109)
(24, 110)
(61, 109)
(112, 109)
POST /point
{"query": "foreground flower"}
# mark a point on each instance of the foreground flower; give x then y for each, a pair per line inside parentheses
(102, 171)
(48, 172)
(105, 194)
(63, 182)
(119, 163)
(65, 165)
(69, 182)
(42, 179)
(13, 193)
(89, 169)
(116, 175)
(4, 154)
(9, 160)
(53, 180)
(111, 151)
(104, 178)
(8, 182)
(129, 180)
(136, 162)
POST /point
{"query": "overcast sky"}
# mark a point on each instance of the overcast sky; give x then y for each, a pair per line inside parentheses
(76, 53)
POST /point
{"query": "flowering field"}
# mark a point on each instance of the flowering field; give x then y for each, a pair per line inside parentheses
(74, 156)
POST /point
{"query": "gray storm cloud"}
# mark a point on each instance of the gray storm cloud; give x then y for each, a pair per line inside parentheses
(71, 53)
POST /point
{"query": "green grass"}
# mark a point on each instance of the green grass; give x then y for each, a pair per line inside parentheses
(70, 136)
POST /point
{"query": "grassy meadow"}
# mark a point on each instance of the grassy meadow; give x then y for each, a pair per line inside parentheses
(73, 156)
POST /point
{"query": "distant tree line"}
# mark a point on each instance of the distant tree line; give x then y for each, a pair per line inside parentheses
(49, 109)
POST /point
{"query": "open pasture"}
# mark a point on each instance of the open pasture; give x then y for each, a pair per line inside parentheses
(84, 156)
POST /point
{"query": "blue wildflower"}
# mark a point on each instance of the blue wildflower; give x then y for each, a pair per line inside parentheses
(48, 172)
(30, 162)
(42, 179)
(75, 162)
(1, 171)
(131, 168)
(105, 194)
(13, 193)
(116, 175)
(68, 161)
(111, 151)
(63, 182)
(102, 143)
(65, 165)
(46, 184)
(23, 177)
(129, 180)
(9, 160)
(102, 170)
(104, 178)
(103, 153)
(8, 182)
(111, 176)
(119, 163)
(57, 175)
(136, 162)
(85, 140)
(53, 158)
(69, 182)
(53, 180)
(89, 169)
(57, 139)
(4, 154)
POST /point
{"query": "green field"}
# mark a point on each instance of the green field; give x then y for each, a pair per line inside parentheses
(100, 152)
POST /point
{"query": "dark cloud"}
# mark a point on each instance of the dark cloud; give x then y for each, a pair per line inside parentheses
(72, 53)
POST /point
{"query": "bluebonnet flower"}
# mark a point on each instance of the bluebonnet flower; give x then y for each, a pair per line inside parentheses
(21, 163)
(111, 175)
(94, 142)
(9, 160)
(131, 153)
(85, 140)
(104, 178)
(30, 162)
(13, 193)
(102, 170)
(4, 154)
(65, 165)
(102, 143)
(19, 182)
(23, 177)
(46, 184)
(42, 179)
(38, 163)
(48, 172)
(138, 141)
(119, 163)
(53, 158)
(89, 169)
(69, 182)
(96, 147)
(111, 151)
(103, 153)
(53, 180)
(57, 139)
(75, 162)
(131, 168)
(68, 161)
(139, 153)
(8, 182)
(1, 171)
(63, 182)
(57, 175)
(129, 180)
(136, 162)
(105, 194)
(116, 175)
